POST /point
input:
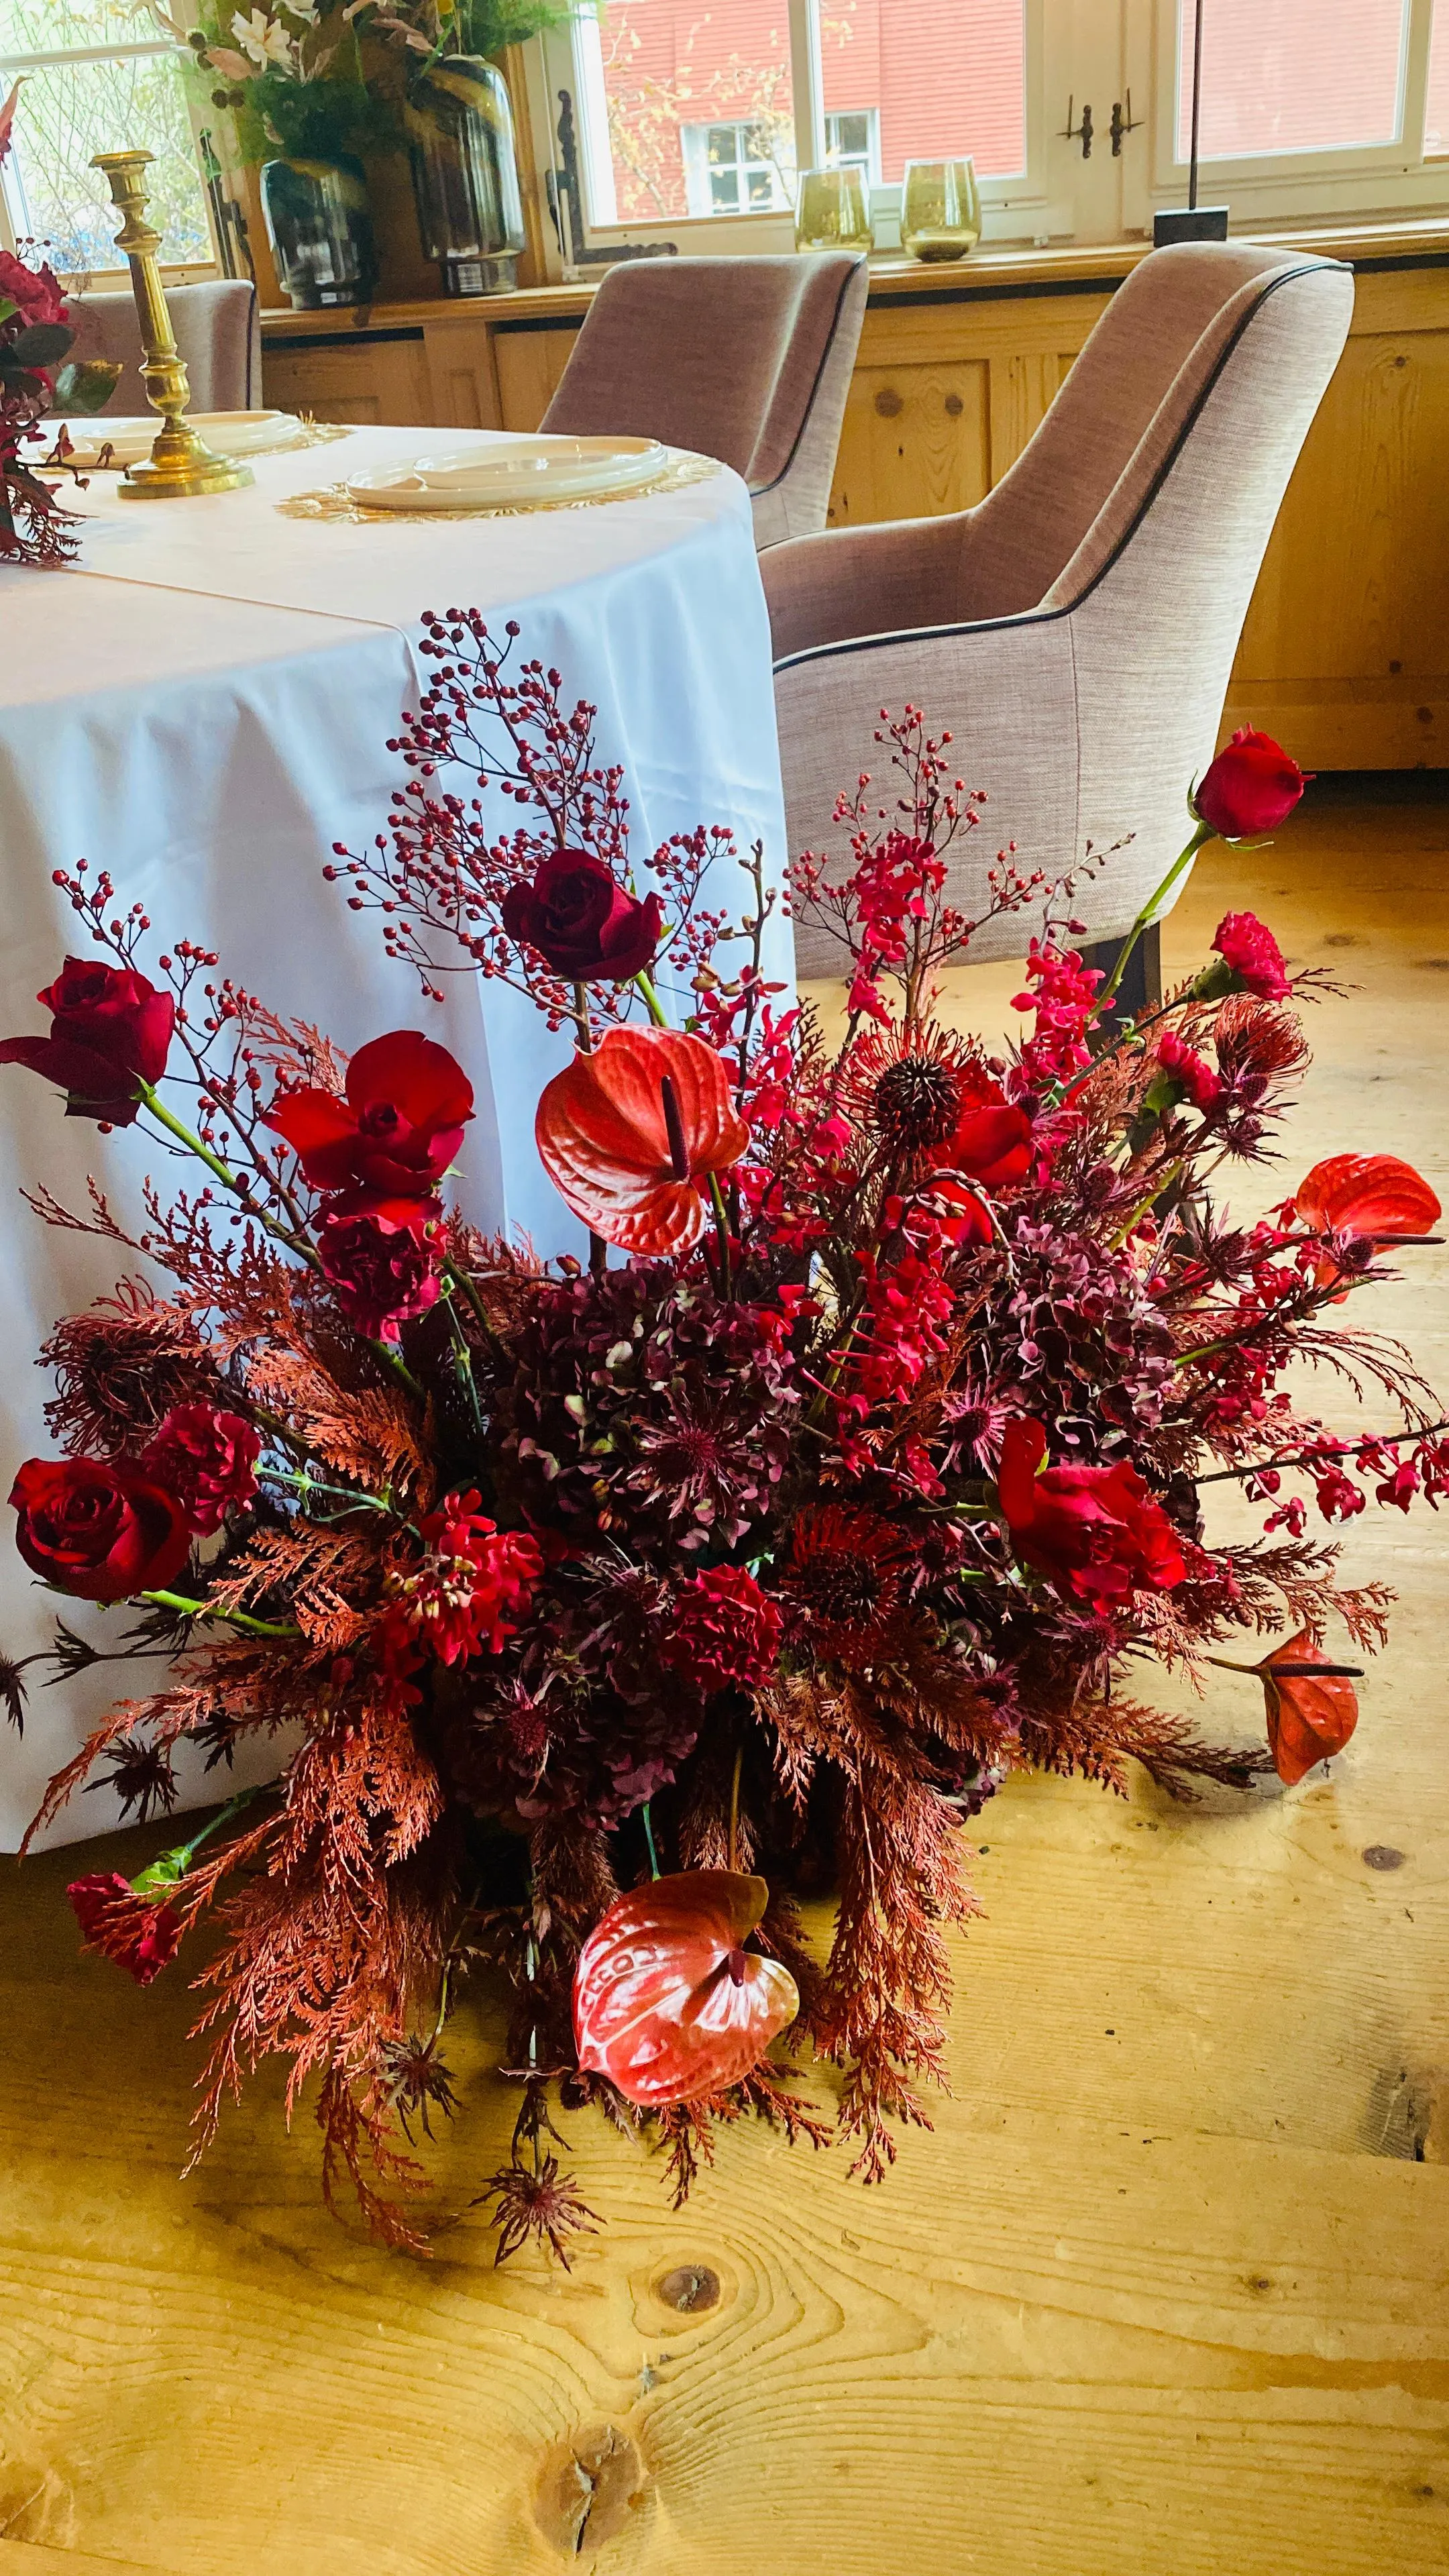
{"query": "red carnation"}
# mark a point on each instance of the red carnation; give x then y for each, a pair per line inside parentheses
(206, 1458)
(1251, 787)
(141, 1934)
(396, 1130)
(726, 1630)
(582, 922)
(383, 1262)
(103, 1529)
(110, 1031)
(1095, 1531)
(36, 293)
(1252, 956)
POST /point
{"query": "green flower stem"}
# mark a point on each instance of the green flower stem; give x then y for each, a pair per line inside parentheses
(1148, 913)
(722, 1229)
(654, 1870)
(209, 1610)
(172, 1866)
(652, 1001)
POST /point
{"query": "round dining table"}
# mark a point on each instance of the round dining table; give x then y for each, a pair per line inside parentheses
(202, 706)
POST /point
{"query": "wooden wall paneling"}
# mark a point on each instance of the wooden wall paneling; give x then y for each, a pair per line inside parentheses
(461, 373)
(368, 380)
(915, 442)
(529, 365)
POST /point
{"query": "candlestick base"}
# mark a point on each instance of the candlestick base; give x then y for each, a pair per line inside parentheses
(181, 470)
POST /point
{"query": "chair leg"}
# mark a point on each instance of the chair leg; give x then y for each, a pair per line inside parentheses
(1141, 985)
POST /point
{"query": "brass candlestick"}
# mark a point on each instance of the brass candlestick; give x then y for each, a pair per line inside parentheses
(180, 465)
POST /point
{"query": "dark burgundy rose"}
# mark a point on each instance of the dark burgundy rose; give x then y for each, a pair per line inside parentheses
(1252, 786)
(110, 1030)
(582, 922)
(205, 1458)
(383, 1263)
(1095, 1531)
(104, 1529)
(397, 1128)
(141, 1933)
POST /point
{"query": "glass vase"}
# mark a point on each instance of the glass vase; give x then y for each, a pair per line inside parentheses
(465, 174)
(940, 209)
(833, 210)
(320, 229)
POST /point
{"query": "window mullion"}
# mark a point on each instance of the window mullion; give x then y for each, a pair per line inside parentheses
(807, 80)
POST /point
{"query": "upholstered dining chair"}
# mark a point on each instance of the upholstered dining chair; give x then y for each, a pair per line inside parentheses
(1075, 632)
(748, 360)
(218, 334)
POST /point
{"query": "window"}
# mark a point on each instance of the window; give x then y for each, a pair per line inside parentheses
(738, 169)
(1436, 108)
(940, 81)
(98, 76)
(852, 141)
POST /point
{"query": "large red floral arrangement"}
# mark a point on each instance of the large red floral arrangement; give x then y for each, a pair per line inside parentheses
(610, 1605)
(36, 374)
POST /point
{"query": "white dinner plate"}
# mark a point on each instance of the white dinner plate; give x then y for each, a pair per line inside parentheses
(512, 474)
(229, 433)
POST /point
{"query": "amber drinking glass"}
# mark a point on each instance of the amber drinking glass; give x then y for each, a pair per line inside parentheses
(940, 209)
(833, 211)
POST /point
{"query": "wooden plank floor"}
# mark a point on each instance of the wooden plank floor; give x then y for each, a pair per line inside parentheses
(1164, 2294)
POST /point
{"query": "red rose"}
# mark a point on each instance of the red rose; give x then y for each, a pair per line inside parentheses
(383, 1263)
(205, 1458)
(991, 1142)
(398, 1127)
(582, 922)
(110, 1030)
(1251, 787)
(141, 1935)
(1094, 1530)
(1252, 956)
(36, 293)
(726, 1630)
(103, 1529)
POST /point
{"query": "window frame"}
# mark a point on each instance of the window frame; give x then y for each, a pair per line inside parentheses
(1015, 207)
(1318, 185)
(44, 58)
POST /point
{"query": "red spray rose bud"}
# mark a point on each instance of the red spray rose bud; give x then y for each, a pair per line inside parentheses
(1184, 1075)
(206, 1458)
(1094, 1531)
(1251, 787)
(110, 1030)
(103, 1529)
(668, 2003)
(139, 1933)
(582, 922)
(397, 1128)
(383, 1263)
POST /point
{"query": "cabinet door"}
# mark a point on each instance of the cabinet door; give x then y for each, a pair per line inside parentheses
(529, 365)
(916, 441)
(372, 383)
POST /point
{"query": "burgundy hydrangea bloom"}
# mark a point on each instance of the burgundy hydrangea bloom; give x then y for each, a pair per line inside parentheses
(206, 1458)
(140, 1933)
(383, 1263)
(582, 922)
(1247, 946)
(110, 1030)
(726, 1630)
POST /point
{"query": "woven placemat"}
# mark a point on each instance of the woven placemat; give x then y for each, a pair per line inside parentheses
(335, 501)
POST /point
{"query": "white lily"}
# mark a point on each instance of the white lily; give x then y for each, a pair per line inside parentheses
(263, 38)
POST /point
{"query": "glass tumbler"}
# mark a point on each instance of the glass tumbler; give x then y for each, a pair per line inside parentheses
(940, 209)
(833, 210)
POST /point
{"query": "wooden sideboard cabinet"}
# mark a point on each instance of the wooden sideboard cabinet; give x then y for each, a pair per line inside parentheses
(1345, 653)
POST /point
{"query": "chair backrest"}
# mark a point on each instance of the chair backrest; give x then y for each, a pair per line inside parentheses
(1103, 588)
(748, 360)
(218, 334)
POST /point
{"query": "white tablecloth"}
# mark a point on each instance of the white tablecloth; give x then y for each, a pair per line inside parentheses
(202, 708)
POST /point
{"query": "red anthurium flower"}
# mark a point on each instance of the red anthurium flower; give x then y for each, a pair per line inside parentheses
(141, 1934)
(110, 1030)
(582, 922)
(1374, 1196)
(627, 1133)
(1310, 1715)
(1096, 1531)
(397, 1128)
(668, 2003)
(991, 1142)
(102, 1528)
(1251, 787)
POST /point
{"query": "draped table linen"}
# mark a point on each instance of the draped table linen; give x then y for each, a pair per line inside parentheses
(202, 708)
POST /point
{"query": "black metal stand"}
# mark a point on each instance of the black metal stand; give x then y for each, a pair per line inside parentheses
(1191, 222)
(1141, 986)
